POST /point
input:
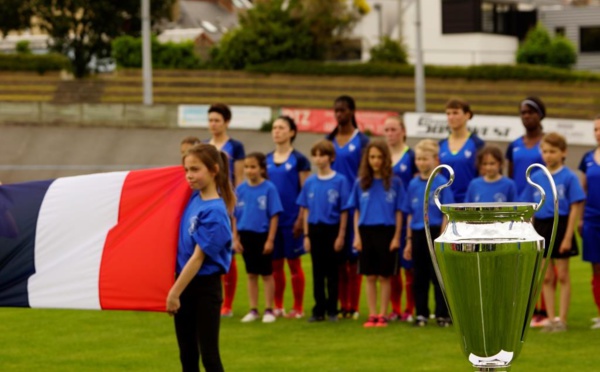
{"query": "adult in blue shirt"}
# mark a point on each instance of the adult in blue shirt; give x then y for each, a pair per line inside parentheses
(459, 150)
(525, 150)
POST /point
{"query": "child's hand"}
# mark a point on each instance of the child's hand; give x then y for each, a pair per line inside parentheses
(339, 244)
(306, 244)
(394, 245)
(407, 251)
(237, 246)
(298, 229)
(173, 304)
(268, 249)
(565, 246)
(357, 244)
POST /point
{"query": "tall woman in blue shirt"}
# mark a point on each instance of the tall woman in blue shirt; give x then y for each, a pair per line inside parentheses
(348, 142)
(590, 166)
(459, 150)
(403, 166)
(525, 150)
(288, 169)
(203, 255)
(219, 116)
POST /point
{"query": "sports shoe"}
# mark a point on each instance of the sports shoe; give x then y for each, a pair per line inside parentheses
(268, 317)
(355, 315)
(407, 317)
(371, 321)
(421, 321)
(393, 316)
(443, 322)
(278, 312)
(251, 316)
(226, 312)
(316, 319)
(294, 314)
(559, 326)
(382, 321)
(539, 321)
(333, 318)
(596, 324)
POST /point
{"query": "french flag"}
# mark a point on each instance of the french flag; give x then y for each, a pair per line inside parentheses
(100, 241)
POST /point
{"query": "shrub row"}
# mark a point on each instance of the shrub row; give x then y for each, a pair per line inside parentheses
(127, 52)
(482, 72)
(34, 62)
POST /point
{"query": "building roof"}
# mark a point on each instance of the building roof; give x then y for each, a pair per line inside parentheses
(212, 18)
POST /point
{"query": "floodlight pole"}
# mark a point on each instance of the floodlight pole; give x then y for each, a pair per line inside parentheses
(146, 53)
(419, 68)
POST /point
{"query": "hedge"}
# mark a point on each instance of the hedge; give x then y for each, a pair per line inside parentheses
(127, 52)
(481, 72)
(34, 62)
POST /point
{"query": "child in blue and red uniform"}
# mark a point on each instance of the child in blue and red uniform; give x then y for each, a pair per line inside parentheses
(426, 152)
(323, 199)
(349, 143)
(403, 166)
(590, 166)
(288, 169)
(219, 116)
(203, 255)
(491, 186)
(570, 199)
(376, 198)
(257, 219)
(459, 150)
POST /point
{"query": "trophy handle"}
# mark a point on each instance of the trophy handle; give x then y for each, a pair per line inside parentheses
(542, 200)
(436, 199)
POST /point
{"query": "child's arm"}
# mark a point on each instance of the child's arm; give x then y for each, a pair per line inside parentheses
(357, 242)
(408, 247)
(574, 213)
(583, 180)
(299, 223)
(395, 243)
(341, 238)
(271, 236)
(237, 243)
(185, 277)
(305, 229)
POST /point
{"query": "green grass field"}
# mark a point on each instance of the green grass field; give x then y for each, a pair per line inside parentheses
(67, 340)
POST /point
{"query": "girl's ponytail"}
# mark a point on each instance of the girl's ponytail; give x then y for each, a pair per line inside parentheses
(224, 182)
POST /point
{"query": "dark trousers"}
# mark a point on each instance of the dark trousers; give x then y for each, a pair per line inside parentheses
(197, 324)
(424, 274)
(325, 268)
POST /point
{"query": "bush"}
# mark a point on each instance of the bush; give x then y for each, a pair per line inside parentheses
(389, 50)
(23, 47)
(562, 53)
(34, 62)
(127, 52)
(534, 50)
(483, 72)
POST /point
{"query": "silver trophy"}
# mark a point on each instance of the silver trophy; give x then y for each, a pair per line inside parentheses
(488, 261)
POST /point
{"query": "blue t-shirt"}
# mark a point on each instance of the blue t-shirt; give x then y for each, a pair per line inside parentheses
(376, 205)
(521, 158)
(347, 157)
(415, 197)
(235, 151)
(568, 190)
(325, 198)
(256, 205)
(500, 191)
(591, 169)
(463, 164)
(405, 168)
(286, 178)
(207, 224)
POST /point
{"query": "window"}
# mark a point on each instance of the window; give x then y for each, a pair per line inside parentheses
(589, 39)
(497, 18)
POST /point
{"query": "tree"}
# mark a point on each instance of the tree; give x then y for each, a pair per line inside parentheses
(83, 29)
(534, 49)
(562, 53)
(14, 15)
(389, 50)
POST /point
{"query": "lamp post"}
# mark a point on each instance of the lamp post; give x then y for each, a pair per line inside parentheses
(146, 53)
(419, 68)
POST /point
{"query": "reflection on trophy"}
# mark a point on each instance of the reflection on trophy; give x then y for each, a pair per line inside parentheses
(489, 264)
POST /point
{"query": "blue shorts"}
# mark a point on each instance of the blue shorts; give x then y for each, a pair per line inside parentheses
(591, 237)
(286, 246)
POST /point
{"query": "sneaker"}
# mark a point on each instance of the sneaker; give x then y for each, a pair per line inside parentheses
(442, 322)
(269, 317)
(394, 316)
(371, 321)
(596, 325)
(539, 321)
(382, 321)
(559, 326)
(333, 318)
(548, 326)
(355, 315)
(407, 317)
(315, 319)
(226, 312)
(294, 314)
(431, 316)
(251, 316)
(421, 321)
(278, 312)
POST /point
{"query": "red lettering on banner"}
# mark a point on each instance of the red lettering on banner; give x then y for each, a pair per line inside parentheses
(323, 121)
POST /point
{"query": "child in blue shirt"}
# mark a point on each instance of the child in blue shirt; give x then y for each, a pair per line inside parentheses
(491, 186)
(570, 199)
(376, 197)
(323, 200)
(257, 213)
(203, 255)
(459, 150)
(426, 152)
